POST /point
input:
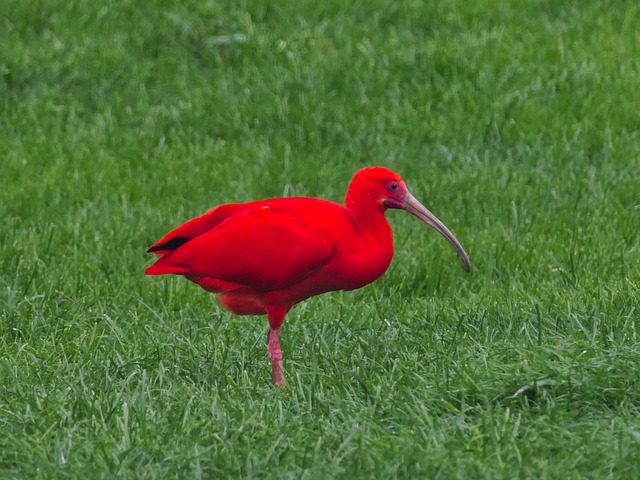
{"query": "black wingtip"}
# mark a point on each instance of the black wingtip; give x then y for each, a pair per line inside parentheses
(169, 244)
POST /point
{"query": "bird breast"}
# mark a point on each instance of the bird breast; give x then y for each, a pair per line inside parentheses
(364, 265)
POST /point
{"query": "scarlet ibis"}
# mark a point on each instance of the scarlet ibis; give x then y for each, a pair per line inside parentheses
(263, 257)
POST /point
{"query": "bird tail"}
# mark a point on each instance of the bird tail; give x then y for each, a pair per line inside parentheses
(165, 270)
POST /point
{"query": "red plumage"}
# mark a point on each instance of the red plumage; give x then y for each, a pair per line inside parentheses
(262, 257)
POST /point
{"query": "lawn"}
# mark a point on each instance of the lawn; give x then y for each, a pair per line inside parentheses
(516, 122)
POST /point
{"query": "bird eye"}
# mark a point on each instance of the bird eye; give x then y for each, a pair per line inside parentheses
(393, 186)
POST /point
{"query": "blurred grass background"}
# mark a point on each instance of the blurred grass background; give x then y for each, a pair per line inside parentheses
(517, 123)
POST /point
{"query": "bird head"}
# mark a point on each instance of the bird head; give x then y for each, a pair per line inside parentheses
(387, 189)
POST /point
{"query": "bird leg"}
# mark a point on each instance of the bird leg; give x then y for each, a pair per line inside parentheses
(275, 355)
(276, 317)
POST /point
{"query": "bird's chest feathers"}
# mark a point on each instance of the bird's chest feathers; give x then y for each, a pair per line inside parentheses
(365, 260)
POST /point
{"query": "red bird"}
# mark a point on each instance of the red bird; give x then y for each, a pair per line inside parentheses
(263, 257)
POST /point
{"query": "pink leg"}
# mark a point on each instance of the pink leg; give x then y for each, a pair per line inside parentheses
(276, 317)
(275, 355)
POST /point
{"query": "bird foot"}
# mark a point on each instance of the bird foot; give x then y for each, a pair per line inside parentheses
(278, 378)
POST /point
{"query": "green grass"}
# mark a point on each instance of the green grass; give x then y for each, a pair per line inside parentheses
(516, 122)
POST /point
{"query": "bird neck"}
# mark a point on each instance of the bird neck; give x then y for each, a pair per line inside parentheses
(367, 213)
(371, 251)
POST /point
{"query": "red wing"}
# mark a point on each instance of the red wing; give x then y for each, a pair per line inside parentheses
(259, 248)
(197, 226)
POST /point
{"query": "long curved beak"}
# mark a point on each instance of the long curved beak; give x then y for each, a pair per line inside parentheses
(414, 207)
